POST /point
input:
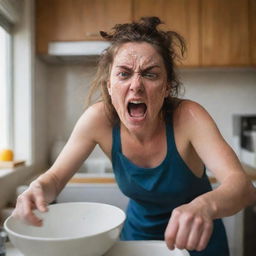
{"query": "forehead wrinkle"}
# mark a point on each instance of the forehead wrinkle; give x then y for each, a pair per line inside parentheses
(137, 56)
(143, 62)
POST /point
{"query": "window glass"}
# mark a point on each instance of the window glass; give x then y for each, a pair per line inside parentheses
(5, 89)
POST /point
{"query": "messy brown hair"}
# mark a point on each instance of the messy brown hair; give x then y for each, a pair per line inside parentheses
(167, 44)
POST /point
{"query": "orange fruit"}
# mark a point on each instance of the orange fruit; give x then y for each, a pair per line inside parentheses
(6, 155)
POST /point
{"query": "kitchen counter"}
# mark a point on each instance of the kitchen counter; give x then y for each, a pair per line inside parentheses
(128, 248)
(109, 177)
(250, 171)
(11, 251)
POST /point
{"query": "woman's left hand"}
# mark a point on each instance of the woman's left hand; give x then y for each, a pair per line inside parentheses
(190, 227)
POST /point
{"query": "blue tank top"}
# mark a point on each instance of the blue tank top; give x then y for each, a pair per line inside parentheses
(155, 192)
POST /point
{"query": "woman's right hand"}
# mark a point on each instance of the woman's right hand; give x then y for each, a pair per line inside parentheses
(31, 199)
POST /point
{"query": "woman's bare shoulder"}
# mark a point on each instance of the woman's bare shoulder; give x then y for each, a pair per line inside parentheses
(96, 120)
(191, 118)
(189, 111)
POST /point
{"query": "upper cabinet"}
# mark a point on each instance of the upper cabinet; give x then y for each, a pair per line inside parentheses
(68, 20)
(182, 16)
(217, 32)
(225, 33)
(252, 26)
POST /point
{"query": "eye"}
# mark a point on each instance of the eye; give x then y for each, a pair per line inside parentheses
(123, 74)
(150, 75)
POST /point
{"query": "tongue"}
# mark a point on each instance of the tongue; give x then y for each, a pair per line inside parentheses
(137, 110)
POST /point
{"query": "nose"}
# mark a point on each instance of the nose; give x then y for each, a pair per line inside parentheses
(136, 83)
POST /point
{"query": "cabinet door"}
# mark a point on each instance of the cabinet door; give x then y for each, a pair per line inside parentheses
(181, 16)
(68, 20)
(252, 26)
(225, 35)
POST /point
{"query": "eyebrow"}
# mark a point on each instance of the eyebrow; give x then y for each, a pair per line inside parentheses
(146, 69)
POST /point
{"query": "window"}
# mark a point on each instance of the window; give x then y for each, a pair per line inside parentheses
(5, 90)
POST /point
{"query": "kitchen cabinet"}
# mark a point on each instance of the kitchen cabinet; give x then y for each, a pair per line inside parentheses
(181, 16)
(225, 33)
(252, 26)
(217, 32)
(68, 20)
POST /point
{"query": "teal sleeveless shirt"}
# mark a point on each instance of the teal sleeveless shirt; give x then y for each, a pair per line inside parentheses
(155, 192)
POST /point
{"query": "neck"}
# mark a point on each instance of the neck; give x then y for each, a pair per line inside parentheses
(147, 133)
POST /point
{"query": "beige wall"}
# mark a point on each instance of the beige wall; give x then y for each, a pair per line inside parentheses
(223, 92)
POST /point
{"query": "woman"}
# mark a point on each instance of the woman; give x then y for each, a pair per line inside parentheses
(159, 147)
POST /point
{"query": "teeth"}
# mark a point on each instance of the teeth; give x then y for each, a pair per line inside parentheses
(136, 102)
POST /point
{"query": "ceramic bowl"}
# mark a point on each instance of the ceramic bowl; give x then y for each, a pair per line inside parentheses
(80, 229)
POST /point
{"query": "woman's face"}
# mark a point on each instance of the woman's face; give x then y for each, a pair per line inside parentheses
(138, 85)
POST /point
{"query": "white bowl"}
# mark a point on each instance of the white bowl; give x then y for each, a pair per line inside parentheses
(146, 248)
(79, 229)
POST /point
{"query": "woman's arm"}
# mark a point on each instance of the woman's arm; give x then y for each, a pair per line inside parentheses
(47, 186)
(190, 225)
(82, 141)
(236, 190)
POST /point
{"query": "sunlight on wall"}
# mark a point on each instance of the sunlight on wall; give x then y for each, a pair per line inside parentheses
(3, 90)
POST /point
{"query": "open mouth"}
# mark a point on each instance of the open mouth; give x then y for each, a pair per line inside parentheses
(137, 108)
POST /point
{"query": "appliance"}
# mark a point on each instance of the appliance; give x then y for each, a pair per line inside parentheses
(244, 138)
(76, 51)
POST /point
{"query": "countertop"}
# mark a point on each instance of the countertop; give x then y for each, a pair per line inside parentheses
(11, 251)
(109, 177)
(127, 248)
